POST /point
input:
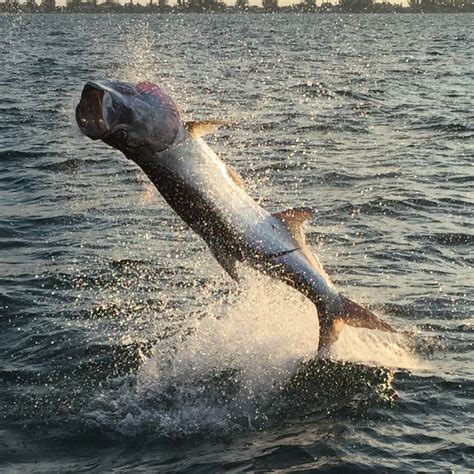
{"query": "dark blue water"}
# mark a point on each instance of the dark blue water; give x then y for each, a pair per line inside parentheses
(125, 346)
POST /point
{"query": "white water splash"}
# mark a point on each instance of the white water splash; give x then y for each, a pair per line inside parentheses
(140, 44)
(266, 331)
(225, 366)
(374, 348)
(262, 333)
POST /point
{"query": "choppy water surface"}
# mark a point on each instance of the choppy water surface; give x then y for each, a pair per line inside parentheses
(124, 345)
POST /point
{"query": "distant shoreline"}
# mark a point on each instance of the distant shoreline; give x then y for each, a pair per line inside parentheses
(241, 7)
(231, 10)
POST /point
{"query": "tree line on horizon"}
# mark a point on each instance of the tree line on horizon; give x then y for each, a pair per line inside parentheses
(218, 6)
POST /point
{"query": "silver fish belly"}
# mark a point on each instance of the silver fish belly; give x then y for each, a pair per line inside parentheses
(144, 123)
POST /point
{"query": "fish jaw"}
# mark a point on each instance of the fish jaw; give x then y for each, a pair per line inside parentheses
(91, 112)
(128, 117)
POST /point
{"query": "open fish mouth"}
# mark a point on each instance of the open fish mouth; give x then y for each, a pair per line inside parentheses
(92, 111)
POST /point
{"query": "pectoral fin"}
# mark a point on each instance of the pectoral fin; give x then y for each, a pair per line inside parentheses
(227, 262)
(199, 128)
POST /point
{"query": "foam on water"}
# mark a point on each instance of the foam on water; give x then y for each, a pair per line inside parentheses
(224, 369)
(374, 348)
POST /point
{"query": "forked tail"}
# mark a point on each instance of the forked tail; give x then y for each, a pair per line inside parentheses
(352, 314)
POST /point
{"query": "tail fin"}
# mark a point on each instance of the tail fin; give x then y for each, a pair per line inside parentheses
(351, 314)
(359, 317)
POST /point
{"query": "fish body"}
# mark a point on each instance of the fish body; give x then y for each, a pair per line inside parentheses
(143, 122)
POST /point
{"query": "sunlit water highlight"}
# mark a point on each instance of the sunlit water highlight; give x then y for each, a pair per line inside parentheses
(123, 338)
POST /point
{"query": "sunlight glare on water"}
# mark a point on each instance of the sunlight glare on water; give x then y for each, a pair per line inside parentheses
(126, 346)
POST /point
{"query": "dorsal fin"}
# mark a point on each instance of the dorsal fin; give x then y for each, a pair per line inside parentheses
(293, 219)
(199, 128)
(236, 178)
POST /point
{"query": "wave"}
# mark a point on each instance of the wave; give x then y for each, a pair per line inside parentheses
(442, 126)
(387, 207)
(69, 166)
(18, 154)
(445, 238)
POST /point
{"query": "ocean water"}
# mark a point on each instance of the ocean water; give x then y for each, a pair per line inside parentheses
(126, 347)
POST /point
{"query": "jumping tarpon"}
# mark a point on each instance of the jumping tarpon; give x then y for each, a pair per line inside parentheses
(144, 123)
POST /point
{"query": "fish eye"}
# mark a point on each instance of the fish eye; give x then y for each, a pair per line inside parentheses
(120, 136)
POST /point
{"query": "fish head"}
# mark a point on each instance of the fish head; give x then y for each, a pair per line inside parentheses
(128, 117)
